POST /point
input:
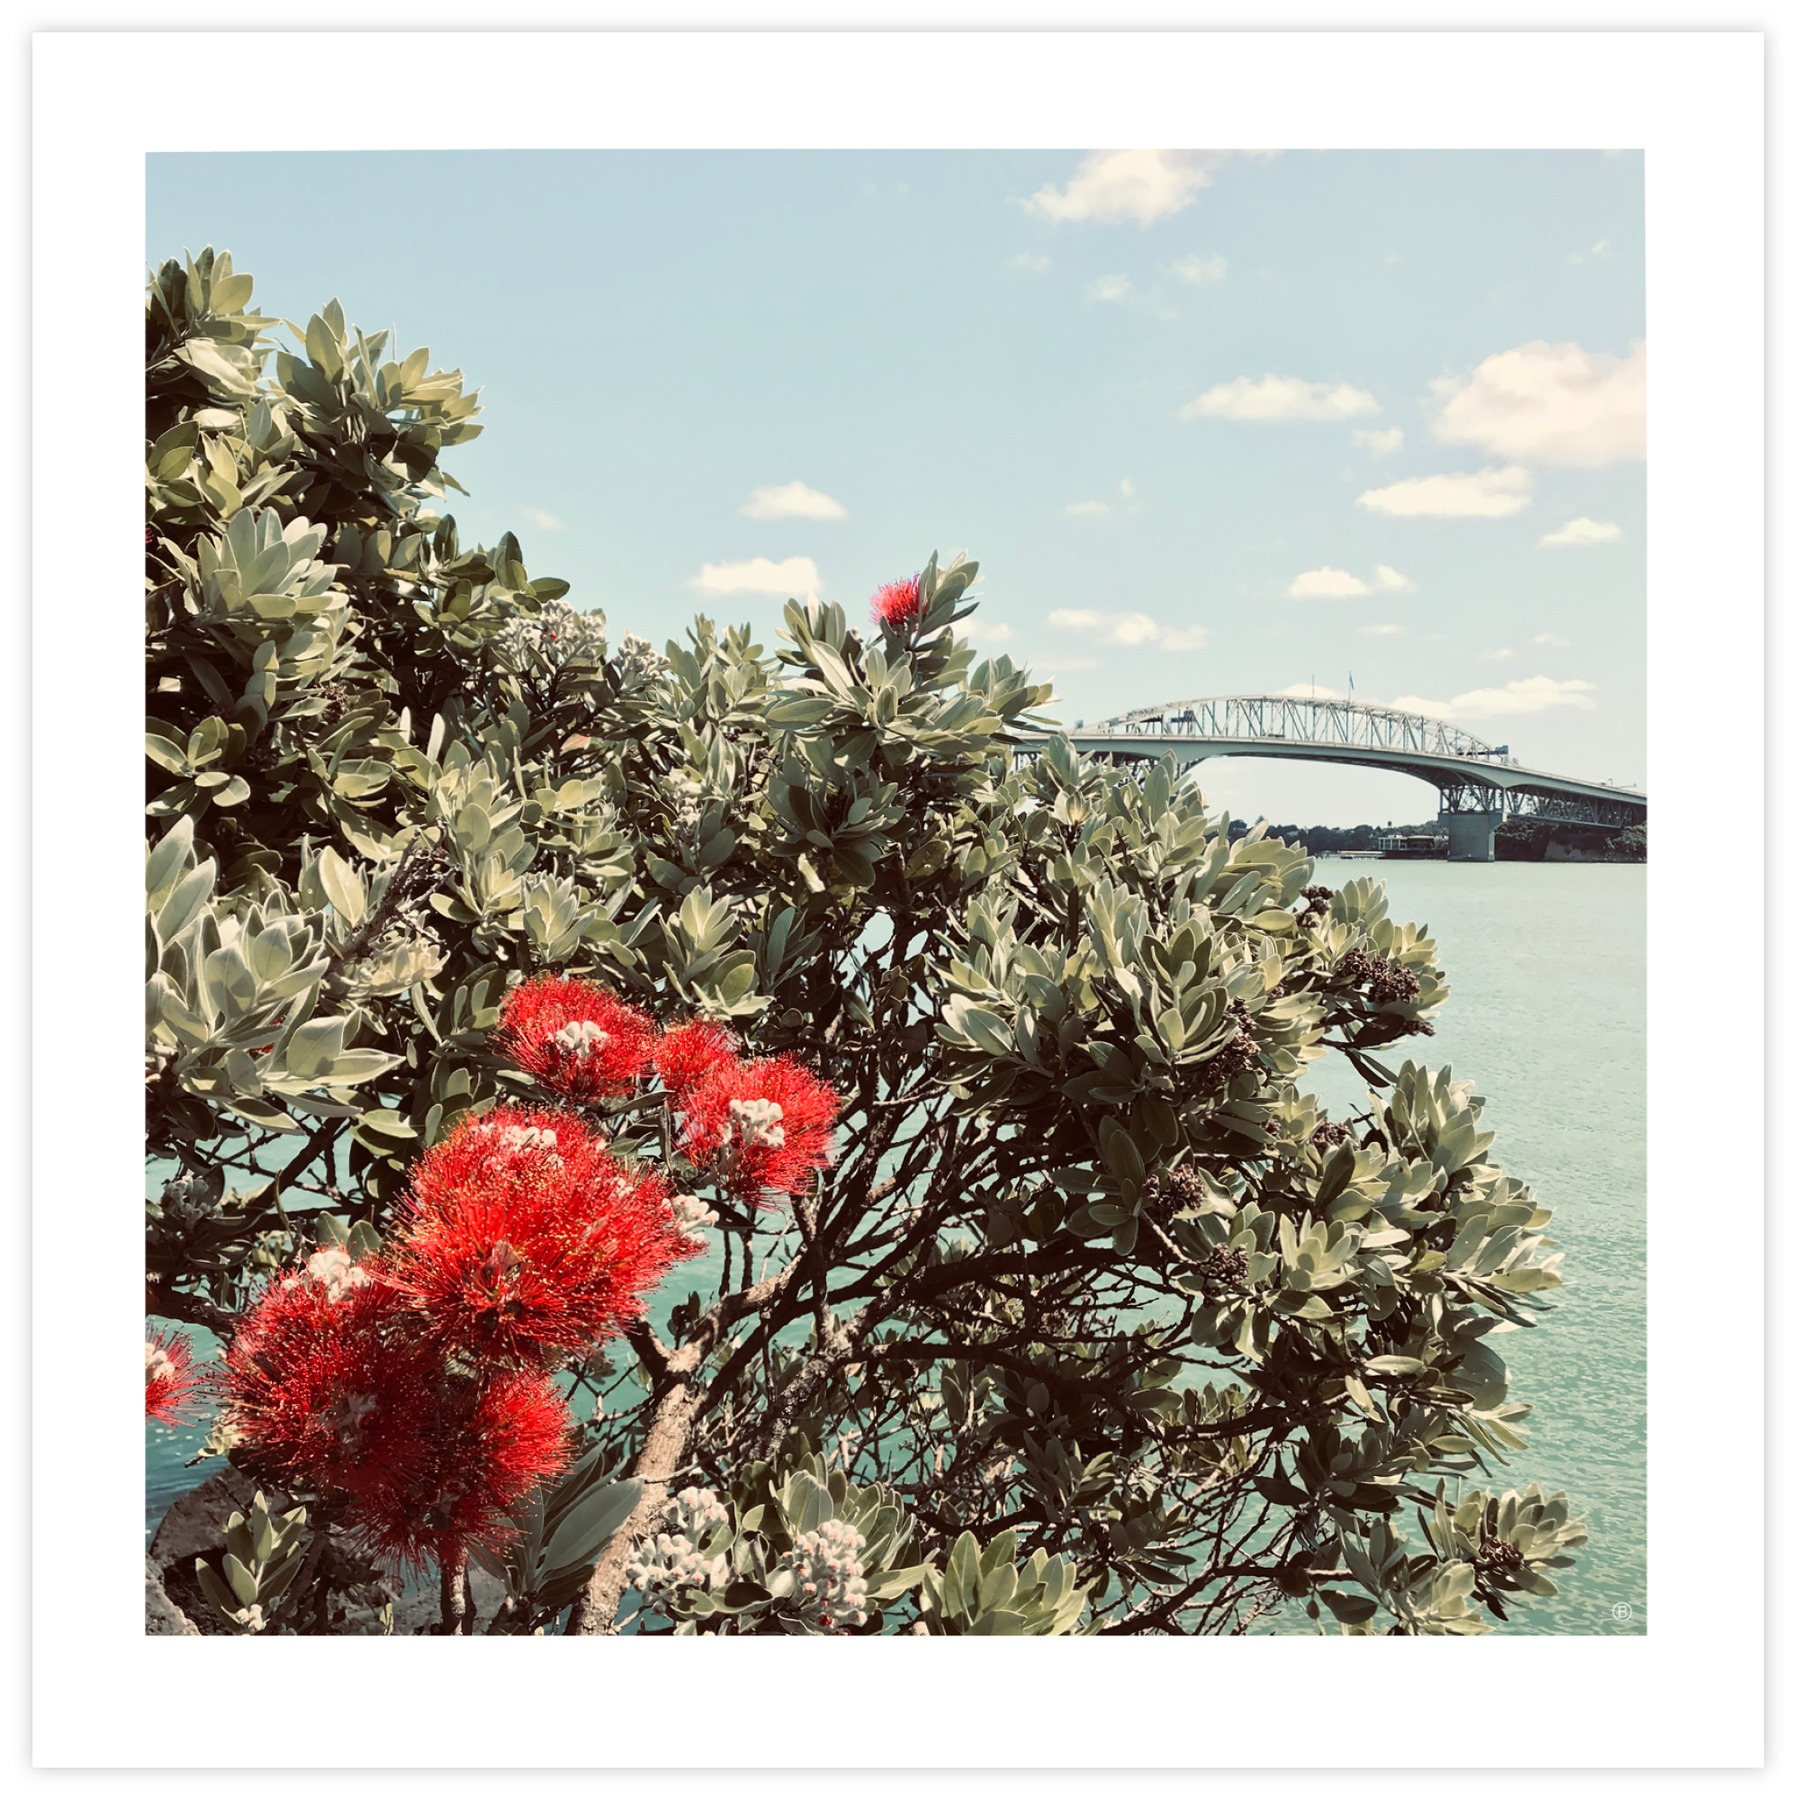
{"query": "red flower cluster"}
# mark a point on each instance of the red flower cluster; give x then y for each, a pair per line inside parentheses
(761, 1125)
(492, 1442)
(522, 1236)
(685, 1056)
(169, 1378)
(411, 1390)
(334, 1392)
(754, 1127)
(896, 605)
(333, 1395)
(575, 1037)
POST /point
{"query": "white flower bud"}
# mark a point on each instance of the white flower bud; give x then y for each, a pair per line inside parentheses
(758, 1124)
(334, 1270)
(581, 1038)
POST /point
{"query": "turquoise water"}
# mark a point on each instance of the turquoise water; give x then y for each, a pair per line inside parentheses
(1546, 1016)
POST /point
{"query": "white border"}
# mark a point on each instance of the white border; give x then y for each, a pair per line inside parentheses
(1689, 1694)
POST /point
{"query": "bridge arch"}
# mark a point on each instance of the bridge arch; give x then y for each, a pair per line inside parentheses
(1478, 783)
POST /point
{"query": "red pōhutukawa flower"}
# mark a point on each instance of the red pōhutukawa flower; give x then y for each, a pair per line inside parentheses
(896, 605)
(522, 1236)
(169, 1378)
(762, 1125)
(686, 1055)
(493, 1438)
(578, 1039)
(335, 1392)
(332, 1393)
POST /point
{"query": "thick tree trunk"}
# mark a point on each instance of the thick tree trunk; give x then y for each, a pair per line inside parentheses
(456, 1598)
(595, 1612)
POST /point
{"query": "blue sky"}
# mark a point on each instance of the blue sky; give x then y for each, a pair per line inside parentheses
(1212, 422)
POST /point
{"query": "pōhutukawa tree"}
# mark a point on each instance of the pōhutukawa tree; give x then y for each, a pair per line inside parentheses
(506, 984)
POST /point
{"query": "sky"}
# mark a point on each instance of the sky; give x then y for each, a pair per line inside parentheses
(1212, 422)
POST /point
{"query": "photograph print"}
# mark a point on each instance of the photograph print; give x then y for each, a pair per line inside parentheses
(895, 893)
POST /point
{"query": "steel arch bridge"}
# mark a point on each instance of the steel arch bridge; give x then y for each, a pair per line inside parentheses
(1478, 783)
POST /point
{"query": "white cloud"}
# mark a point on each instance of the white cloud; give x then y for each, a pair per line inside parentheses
(796, 575)
(1326, 584)
(544, 521)
(1129, 629)
(1496, 656)
(1088, 509)
(795, 500)
(1432, 709)
(1183, 637)
(1583, 531)
(1536, 694)
(989, 631)
(1601, 252)
(1552, 640)
(1379, 443)
(1029, 259)
(1308, 690)
(1491, 494)
(1200, 271)
(1110, 287)
(1379, 630)
(1280, 397)
(1340, 584)
(1061, 665)
(1549, 403)
(1114, 187)
(1126, 488)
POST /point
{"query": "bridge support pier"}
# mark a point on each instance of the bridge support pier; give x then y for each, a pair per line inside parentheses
(1471, 834)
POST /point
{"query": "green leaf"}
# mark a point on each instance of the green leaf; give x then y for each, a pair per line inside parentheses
(590, 1525)
(962, 1576)
(895, 1582)
(343, 887)
(243, 1583)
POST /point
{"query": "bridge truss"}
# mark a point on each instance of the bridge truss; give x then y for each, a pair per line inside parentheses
(1299, 720)
(1471, 775)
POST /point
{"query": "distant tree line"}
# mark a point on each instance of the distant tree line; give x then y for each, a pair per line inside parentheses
(1530, 840)
(1329, 840)
(1517, 840)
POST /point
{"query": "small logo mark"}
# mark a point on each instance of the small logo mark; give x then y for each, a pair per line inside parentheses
(1622, 1611)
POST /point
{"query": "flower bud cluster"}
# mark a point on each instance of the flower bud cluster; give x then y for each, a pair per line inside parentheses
(638, 660)
(519, 1140)
(830, 1589)
(757, 1124)
(558, 634)
(672, 1558)
(581, 1037)
(692, 1216)
(334, 1270)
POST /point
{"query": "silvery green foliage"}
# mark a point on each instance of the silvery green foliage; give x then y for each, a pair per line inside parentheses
(1109, 1328)
(262, 1555)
